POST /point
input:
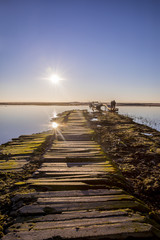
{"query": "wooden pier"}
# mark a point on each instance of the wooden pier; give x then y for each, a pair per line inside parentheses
(75, 196)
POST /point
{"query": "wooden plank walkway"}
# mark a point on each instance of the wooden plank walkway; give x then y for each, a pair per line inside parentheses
(17, 153)
(73, 199)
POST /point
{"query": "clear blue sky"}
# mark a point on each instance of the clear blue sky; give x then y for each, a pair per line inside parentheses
(102, 49)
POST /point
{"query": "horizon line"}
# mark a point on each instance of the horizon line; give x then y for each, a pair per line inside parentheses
(79, 103)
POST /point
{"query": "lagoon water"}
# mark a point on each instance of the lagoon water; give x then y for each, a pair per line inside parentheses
(19, 120)
(149, 116)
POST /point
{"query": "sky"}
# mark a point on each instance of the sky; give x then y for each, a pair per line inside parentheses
(100, 49)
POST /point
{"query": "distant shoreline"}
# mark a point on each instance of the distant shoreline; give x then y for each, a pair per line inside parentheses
(77, 104)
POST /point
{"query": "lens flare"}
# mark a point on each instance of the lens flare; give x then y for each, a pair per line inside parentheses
(54, 78)
(54, 125)
(55, 115)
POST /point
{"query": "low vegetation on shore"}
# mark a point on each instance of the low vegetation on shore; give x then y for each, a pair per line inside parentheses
(135, 149)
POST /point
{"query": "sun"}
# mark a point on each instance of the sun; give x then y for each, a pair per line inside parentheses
(54, 78)
(54, 125)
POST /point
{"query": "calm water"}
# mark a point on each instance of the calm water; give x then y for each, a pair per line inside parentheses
(149, 116)
(18, 120)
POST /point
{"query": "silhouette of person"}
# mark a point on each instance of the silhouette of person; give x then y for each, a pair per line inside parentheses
(113, 105)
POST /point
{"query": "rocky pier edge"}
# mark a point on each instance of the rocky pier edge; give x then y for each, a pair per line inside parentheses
(39, 208)
(135, 150)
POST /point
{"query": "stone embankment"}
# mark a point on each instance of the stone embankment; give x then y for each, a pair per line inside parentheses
(75, 193)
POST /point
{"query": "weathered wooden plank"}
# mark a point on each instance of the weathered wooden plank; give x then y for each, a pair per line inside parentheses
(84, 214)
(35, 209)
(72, 159)
(75, 223)
(70, 164)
(76, 169)
(51, 154)
(85, 199)
(65, 186)
(72, 150)
(110, 231)
(54, 180)
(66, 173)
(73, 193)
